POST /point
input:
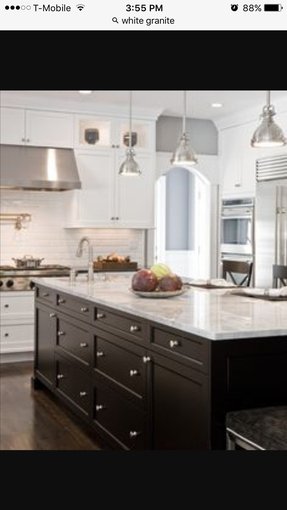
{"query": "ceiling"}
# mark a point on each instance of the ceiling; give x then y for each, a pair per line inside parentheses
(169, 102)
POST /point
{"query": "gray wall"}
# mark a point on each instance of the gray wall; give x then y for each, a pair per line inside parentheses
(203, 134)
(179, 209)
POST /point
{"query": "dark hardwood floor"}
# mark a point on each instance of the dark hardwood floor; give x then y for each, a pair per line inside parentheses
(34, 420)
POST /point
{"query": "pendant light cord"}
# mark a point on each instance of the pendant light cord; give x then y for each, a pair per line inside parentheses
(268, 97)
(130, 136)
(184, 112)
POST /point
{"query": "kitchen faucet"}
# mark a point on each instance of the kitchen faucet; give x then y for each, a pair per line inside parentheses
(79, 253)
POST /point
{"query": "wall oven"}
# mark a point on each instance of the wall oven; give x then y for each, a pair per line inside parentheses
(237, 228)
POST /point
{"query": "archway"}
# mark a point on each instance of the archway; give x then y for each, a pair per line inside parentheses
(183, 221)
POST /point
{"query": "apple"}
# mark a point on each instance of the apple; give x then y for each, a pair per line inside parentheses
(170, 282)
(160, 270)
(144, 280)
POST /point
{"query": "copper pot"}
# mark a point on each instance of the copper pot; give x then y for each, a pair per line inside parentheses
(27, 262)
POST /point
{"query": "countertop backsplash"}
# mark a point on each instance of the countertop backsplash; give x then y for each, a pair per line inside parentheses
(45, 235)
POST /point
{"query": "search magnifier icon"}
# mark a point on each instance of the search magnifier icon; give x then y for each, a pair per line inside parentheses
(115, 20)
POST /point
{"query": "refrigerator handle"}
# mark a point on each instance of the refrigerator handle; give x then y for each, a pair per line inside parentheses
(278, 227)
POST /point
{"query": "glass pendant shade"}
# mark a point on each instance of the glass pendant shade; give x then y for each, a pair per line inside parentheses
(129, 167)
(184, 153)
(268, 133)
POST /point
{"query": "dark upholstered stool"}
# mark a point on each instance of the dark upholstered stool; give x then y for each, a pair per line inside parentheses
(257, 429)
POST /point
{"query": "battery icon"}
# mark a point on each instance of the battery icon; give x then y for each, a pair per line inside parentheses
(273, 7)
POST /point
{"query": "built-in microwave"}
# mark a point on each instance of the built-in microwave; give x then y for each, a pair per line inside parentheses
(237, 227)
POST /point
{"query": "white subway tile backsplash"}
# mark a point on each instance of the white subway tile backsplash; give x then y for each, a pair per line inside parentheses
(45, 236)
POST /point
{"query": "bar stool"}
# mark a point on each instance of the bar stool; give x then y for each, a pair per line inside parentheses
(279, 276)
(233, 267)
(263, 428)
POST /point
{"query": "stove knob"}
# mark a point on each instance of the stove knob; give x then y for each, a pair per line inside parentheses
(31, 285)
(9, 283)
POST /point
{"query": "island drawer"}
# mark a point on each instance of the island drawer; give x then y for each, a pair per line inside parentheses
(74, 340)
(83, 309)
(73, 384)
(121, 365)
(119, 418)
(46, 295)
(131, 327)
(192, 350)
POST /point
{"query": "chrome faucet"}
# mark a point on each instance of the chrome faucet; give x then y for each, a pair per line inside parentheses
(79, 253)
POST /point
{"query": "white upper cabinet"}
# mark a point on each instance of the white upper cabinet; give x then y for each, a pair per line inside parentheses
(35, 127)
(108, 199)
(95, 132)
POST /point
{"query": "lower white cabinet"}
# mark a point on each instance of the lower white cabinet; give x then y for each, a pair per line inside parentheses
(17, 321)
(108, 199)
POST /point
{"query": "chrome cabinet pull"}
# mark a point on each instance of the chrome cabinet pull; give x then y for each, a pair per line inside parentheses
(83, 344)
(134, 328)
(6, 306)
(61, 301)
(61, 333)
(84, 309)
(173, 343)
(99, 407)
(146, 359)
(100, 315)
(6, 334)
(100, 354)
(133, 433)
(60, 376)
(83, 393)
(133, 373)
(52, 314)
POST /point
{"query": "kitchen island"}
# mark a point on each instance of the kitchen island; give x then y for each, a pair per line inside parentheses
(158, 373)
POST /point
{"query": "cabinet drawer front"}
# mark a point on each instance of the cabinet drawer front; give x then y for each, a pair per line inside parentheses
(74, 340)
(133, 327)
(195, 351)
(70, 304)
(12, 306)
(121, 365)
(119, 418)
(46, 295)
(73, 383)
(18, 338)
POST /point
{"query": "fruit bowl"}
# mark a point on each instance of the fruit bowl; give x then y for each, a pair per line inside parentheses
(158, 293)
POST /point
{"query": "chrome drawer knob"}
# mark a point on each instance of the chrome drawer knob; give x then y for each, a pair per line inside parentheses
(100, 315)
(61, 301)
(61, 333)
(60, 376)
(83, 393)
(52, 314)
(100, 354)
(146, 359)
(134, 372)
(133, 433)
(134, 328)
(99, 407)
(83, 344)
(84, 309)
(173, 343)
(6, 334)
(6, 306)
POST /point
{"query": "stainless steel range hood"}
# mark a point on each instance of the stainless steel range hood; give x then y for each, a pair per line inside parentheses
(38, 168)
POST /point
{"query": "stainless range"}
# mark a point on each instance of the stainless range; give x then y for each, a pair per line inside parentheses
(13, 278)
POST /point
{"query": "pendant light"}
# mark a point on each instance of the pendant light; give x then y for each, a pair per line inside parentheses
(184, 153)
(268, 133)
(130, 167)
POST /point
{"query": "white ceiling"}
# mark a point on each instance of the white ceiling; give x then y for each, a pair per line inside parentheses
(169, 102)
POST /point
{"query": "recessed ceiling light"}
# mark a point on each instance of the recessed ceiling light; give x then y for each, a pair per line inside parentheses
(85, 91)
(216, 105)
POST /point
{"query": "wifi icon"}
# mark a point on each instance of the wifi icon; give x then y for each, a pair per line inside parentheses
(80, 7)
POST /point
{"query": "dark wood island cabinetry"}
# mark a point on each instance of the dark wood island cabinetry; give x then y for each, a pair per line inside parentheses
(142, 385)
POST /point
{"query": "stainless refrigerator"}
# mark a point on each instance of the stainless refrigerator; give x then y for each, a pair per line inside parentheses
(270, 217)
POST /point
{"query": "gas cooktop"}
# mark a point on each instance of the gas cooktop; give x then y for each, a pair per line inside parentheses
(14, 278)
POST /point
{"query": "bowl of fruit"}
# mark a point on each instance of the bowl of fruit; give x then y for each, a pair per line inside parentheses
(157, 282)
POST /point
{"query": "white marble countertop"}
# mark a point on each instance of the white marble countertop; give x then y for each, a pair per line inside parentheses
(215, 314)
